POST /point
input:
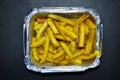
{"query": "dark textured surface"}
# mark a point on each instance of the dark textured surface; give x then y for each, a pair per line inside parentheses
(11, 53)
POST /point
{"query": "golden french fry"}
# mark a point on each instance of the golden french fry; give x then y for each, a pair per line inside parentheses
(35, 23)
(52, 26)
(77, 61)
(81, 38)
(50, 55)
(45, 50)
(60, 37)
(79, 21)
(90, 23)
(90, 56)
(52, 38)
(78, 53)
(38, 43)
(67, 50)
(59, 54)
(59, 18)
(59, 59)
(64, 62)
(86, 29)
(90, 41)
(69, 27)
(42, 29)
(41, 20)
(73, 46)
(59, 29)
(35, 54)
(52, 49)
(38, 26)
(68, 33)
(50, 59)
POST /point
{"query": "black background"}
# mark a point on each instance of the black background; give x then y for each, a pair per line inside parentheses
(12, 13)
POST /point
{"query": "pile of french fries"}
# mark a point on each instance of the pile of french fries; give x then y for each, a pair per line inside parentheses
(64, 41)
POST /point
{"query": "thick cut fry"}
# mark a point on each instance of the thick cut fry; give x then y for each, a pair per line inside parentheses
(41, 20)
(73, 46)
(59, 29)
(77, 61)
(59, 18)
(50, 55)
(90, 23)
(86, 29)
(38, 43)
(59, 54)
(79, 21)
(81, 38)
(90, 56)
(37, 26)
(52, 26)
(52, 38)
(42, 29)
(64, 62)
(45, 50)
(78, 53)
(59, 59)
(60, 37)
(90, 41)
(35, 54)
(67, 50)
(68, 33)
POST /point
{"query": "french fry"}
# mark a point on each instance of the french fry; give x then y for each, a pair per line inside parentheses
(86, 29)
(42, 29)
(78, 53)
(40, 50)
(60, 37)
(52, 38)
(52, 49)
(52, 26)
(59, 29)
(68, 33)
(73, 46)
(59, 54)
(64, 62)
(38, 26)
(41, 20)
(90, 41)
(79, 21)
(90, 56)
(38, 43)
(59, 18)
(50, 55)
(69, 27)
(50, 59)
(33, 40)
(43, 60)
(90, 23)
(77, 61)
(35, 23)
(35, 54)
(59, 59)
(81, 38)
(67, 50)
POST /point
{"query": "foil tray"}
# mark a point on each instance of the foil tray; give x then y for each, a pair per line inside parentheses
(29, 18)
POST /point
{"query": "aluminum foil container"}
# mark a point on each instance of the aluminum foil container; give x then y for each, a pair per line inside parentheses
(27, 31)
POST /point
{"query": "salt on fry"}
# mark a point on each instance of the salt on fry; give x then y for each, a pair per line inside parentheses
(90, 23)
(52, 38)
(81, 38)
(43, 60)
(67, 50)
(59, 18)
